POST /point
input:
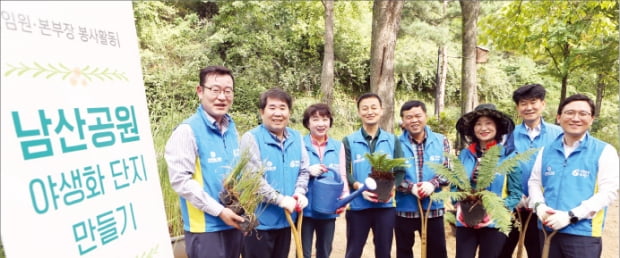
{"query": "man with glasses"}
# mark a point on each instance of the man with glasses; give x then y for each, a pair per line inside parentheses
(573, 180)
(199, 153)
(533, 132)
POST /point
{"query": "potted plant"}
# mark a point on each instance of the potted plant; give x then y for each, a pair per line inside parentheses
(382, 172)
(240, 192)
(476, 202)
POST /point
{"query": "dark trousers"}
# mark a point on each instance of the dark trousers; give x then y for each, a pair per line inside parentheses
(489, 240)
(572, 246)
(404, 231)
(224, 244)
(359, 223)
(324, 229)
(267, 243)
(531, 241)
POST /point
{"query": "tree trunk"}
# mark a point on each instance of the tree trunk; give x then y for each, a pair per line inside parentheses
(600, 92)
(564, 86)
(442, 71)
(440, 88)
(327, 74)
(385, 26)
(470, 10)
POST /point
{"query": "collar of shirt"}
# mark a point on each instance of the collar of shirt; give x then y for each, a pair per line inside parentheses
(568, 149)
(284, 136)
(412, 140)
(533, 132)
(223, 126)
(317, 143)
(369, 137)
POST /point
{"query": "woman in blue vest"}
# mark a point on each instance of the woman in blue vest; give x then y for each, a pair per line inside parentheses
(484, 128)
(324, 153)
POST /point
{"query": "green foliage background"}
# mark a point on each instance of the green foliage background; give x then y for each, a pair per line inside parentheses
(280, 44)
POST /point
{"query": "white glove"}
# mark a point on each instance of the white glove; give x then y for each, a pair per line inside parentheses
(317, 169)
(557, 220)
(370, 196)
(415, 190)
(543, 211)
(302, 201)
(425, 189)
(523, 203)
(288, 203)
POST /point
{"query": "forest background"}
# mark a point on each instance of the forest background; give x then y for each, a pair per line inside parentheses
(568, 47)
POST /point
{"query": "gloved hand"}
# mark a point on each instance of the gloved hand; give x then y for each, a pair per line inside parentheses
(425, 189)
(317, 169)
(370, 196)
(288, 203)
(415, 190)
(302, 201)
(557, 220)
(523, 203)
(341, 209)
(543, 211)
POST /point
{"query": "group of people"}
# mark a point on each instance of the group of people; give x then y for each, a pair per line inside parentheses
(565, 187)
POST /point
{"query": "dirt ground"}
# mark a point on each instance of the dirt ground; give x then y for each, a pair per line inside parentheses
(610, 239)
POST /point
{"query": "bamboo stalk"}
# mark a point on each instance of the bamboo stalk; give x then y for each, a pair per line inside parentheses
(522, 231)
(296, 231)
(545, 250)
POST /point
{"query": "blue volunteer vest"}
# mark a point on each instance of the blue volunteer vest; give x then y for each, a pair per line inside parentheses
(499, 185)
(522, 142)
(433, 153)
(282, 166)
(331, 159)
(360, 166)
(216, 155)
(569, 181)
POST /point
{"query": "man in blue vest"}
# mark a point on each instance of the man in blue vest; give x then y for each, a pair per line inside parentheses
(573, 180)
(367, 212)
(423, 146)
(199, 154)
(533, 132)
(280, 151)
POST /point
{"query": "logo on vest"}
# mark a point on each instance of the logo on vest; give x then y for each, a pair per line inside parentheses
(581, 173)
(334, 166)
(294, 163)
(214, 158)
(549, 172)
(358, 158)
(269, 165)
(434, 158)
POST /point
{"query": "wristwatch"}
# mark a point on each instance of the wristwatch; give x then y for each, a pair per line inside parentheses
(573, 218)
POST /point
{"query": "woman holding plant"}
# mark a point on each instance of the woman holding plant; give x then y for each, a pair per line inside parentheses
(484, 128)
(324, 153)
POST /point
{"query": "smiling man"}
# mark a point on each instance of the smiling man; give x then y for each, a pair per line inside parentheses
(533, 132)
(210, 228)
(424, 147)
(366, 212)
(574, 179)
(281, 152)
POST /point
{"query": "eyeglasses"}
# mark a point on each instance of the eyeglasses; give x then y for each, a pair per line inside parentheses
(571, 113)
(216, 91)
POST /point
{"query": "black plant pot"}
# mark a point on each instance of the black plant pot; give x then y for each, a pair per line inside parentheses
(249, 223)
(473, 212)
(384, 189)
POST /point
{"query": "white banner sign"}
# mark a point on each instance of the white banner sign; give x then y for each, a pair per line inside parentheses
(78, 173)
